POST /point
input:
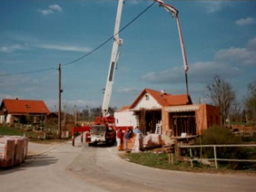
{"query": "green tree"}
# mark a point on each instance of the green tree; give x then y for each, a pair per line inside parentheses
(222, 95)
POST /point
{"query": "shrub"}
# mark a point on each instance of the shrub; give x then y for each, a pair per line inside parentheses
(219, 135)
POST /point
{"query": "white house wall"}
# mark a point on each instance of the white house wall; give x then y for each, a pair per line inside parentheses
(8, 119)
(147, 102)
(1, 119)
(125, 118)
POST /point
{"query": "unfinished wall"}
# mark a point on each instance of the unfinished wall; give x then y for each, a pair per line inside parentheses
(207, 116)
(165, 122)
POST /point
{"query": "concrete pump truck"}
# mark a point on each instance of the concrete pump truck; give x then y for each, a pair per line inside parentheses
(103, 130)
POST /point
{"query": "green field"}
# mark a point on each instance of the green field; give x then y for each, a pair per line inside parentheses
(15, 131)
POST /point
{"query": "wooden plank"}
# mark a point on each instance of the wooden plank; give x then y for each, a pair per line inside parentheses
(232, 145)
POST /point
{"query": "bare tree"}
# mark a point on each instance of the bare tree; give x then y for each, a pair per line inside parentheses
(250, 102)
(236, 112)
(221, 95)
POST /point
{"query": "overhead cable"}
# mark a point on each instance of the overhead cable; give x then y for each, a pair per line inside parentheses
(28, 72)
(105, 42)
(87, 54)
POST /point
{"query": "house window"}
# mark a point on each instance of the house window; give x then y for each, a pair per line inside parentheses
(147, 97)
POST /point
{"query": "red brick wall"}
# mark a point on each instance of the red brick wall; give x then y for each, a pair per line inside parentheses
(207, 116)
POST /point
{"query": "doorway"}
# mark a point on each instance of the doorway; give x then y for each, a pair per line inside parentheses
(183, 123)
(148, 120)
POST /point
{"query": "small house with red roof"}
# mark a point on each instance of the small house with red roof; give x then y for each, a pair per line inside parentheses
(168, 114)
(14, 110)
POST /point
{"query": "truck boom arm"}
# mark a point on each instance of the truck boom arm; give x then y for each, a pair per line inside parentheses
(113, 61)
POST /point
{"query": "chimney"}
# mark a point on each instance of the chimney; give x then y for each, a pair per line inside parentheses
(163, 92)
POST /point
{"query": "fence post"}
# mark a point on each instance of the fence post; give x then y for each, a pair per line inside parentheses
(215, 156)
(190, 153)
(177, 150)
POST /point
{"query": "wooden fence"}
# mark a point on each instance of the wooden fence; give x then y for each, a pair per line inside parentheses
(216, 159)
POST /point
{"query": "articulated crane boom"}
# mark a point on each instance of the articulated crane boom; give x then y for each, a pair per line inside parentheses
(118, 42)
(113, 61)
(175, 13)
(103, 130)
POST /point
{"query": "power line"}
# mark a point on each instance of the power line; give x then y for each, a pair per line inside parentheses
(105, 42)
(28, 72)
(87, 54)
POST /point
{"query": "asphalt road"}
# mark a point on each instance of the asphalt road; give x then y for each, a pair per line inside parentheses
(63, 168)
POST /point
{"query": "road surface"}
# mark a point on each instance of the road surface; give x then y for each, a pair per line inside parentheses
(63, 168)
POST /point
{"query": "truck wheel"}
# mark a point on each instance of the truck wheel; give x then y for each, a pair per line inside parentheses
(90, 144)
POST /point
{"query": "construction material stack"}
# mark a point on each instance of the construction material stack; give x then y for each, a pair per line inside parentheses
(13, 150)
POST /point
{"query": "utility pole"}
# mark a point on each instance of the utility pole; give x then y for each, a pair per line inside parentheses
(59, 93)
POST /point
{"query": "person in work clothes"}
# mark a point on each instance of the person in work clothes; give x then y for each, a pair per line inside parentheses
(127, 136)
(119, 137)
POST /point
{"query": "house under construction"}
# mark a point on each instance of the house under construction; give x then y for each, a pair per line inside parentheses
(166, 114)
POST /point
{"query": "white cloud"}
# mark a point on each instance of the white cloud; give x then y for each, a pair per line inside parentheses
(214, 6)
(126, 90)
(51, 9)
(199, 72)
(134, 2)
(246, 21)
(69, 105)
(7, 96)
(46, 12)
(21, 37)
(232, 53)
(27, 86)
(227, 63)
(64, 48)
(245, 55)
(55, 7)
(17, 82)
(26, 42)
(12, 48)
(166, 76)
(252, 44)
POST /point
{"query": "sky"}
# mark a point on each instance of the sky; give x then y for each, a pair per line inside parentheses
(36, 36)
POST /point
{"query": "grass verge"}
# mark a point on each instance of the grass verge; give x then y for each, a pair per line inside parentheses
(19, 132)
(33, 136)
(160, 161)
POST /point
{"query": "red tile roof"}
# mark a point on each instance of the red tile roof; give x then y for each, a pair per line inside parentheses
(24, 106)
(124, 108)
(179, 99)
(164, 99)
